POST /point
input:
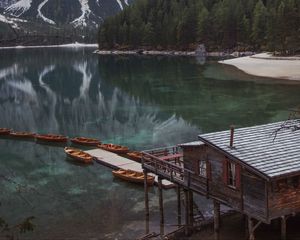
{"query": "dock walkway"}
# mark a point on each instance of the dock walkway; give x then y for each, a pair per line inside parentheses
(115, 162)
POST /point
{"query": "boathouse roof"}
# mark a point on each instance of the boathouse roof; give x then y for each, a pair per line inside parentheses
(258, 148)
(191, 144)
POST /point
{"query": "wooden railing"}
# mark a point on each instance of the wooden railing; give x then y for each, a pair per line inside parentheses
(160, 161)
(165, 169)
(157, 152)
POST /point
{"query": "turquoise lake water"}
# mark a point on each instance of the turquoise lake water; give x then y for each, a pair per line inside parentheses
(139, 101)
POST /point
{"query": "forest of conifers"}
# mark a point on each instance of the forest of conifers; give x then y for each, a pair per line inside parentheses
(220, 24)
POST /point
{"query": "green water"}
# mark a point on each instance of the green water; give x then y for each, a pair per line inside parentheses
(141, 102)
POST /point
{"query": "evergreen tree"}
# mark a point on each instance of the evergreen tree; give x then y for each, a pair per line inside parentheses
(259, 23)
(219, 24)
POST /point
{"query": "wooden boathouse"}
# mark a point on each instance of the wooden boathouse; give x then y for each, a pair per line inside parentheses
(253, 170)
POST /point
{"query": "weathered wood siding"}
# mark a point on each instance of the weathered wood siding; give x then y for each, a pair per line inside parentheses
(254, 195)
(217, 187)
(191, 157)
(284, 197)
(250, 198)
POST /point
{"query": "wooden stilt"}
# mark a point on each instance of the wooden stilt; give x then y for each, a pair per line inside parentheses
(178, 205)
(283, 228)
(162, 230)
(186, 199)
(146, 194)
(191, 212)
(161, 202)
(251, 229)
(245, 218)
(216, 216)
(147, 227)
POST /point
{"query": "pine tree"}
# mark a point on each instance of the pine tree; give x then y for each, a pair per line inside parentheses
(219, 24)
(259, 24)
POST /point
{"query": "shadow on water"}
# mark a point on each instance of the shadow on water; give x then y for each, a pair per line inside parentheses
(82, 147)
(76, 163)
(51, 144)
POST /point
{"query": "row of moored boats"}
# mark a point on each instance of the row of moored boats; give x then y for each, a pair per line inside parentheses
(83, 157)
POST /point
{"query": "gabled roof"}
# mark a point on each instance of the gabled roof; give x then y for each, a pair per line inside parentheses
(256, 147)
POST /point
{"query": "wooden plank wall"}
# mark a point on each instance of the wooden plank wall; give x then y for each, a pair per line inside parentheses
(284, 197)
(250, 198)
(254, 195)
(217, 187)
(191, 157)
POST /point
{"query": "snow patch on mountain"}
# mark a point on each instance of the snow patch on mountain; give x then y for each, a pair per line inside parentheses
(41, 15)
(11, 21)
(86, 11)
(18, 8)
(120, 4)
(6, 3)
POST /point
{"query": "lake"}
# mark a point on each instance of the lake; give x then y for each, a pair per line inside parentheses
(142, 102)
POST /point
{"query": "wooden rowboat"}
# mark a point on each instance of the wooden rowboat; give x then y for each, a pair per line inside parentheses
(85, 141)
(51, 138)
(114, 148)
(78, 155)
(22, 134)
(136, 156)
(4, 131)
(132, 176)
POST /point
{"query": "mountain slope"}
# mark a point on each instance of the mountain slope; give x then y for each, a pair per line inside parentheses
(57, 12)
(56, 17)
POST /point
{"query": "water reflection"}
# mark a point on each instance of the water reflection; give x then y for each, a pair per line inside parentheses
(210, 96)
(64, 92)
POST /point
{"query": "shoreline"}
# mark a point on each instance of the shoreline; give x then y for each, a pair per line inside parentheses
(266, 65)
(67, 45)
(171, 53)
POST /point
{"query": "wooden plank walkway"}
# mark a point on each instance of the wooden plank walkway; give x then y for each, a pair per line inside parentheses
(115, 161)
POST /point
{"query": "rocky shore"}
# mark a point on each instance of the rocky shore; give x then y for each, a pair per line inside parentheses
(172, 53)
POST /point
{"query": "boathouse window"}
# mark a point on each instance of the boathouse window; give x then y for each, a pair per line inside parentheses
(231, 174)
(202, 168)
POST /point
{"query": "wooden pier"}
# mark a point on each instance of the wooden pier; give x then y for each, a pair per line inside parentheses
(115, 161)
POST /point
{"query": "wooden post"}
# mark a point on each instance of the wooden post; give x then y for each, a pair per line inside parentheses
(245, 218)
(186, 199)
(161, 202)
(178, 205)
(191, 212)
(216, 216)
(162, 230)
(147, 225)
(283, 228)
(250, 229)
(146, 193)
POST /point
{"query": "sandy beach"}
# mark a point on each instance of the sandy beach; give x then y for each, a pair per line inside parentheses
(265, 65)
